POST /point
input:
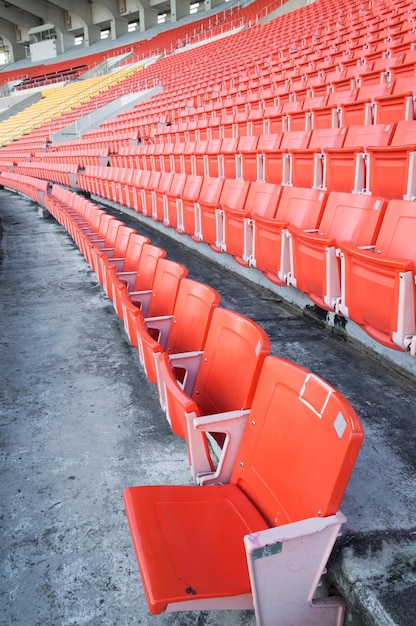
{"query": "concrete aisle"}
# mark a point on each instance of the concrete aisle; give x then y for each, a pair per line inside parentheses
(80, 422)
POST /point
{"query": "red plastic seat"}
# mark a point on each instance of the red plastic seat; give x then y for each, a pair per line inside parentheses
(262, 199)
(227, 158)
(345, 169)
(157, 301)
(392, 171)
(207, 203)
(185, 206)
(159, 196)
(307, 166)
(140, 277)
(277, 162)
(299, 206)
(233, 197)
(378, 280)
(171, 198)
(220, 379)
(127, 263)
(184, 330)
(263, 539)
(355, 218)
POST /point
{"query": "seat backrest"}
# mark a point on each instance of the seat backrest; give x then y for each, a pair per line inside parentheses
(263, 199)
(105, 219)
(405, 133)
(165, 182)
(211, 189)
(192, 187)
(133, 252)
(147, 266)
(229, 145)
(234, 352)
(194, 306)
(301, 206)
(299, 446)
(363, 135)
(327, 138)
(247, 143)
(234, 193)
(177, 185)
(397, 235)
(111, 234)
(352, 217)
(295, 139)
(165, 287)
(270, 141)
(122, 240)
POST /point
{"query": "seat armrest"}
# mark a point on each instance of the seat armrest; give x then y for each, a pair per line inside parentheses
(294, 557)
(230, 423)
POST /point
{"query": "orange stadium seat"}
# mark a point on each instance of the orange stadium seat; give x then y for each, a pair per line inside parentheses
(184, 330)
(378, 280)
(139, 277)
(299, 206)
(215, 381)
(269, 531)
(355, 218)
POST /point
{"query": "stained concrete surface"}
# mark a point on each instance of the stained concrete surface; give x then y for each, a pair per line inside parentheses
(80, 422)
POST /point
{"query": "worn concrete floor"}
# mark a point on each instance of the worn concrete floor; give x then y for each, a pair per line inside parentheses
(79, 422)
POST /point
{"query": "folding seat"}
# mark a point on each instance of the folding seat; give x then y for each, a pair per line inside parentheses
(121, 187)
(233, 197)
(166, 157)
(211, 164)
(378, 281)
(261, 540)
(237, 221)
(185, 205)
(361, 111)
(155, 158)
(185, 330)
(146, 153)
(399, 105)
(88, 235)
(328, 116)
(124, 175)
(159, 196)
(147, 185)
(266, 143)
(133, 196)
(171, 198)
(159, 300)
(118, 250)
(314, 266)
(207, 203)
(273, 120)
(97, 245)
(176, 159)
(308, 165)
(214, 127)
(268, 97)
(255, 122)
(277, 163)
(139, 278)
(129, 263)
(345, 168)
(227, 158)
(270, 251)
(392, 171)
(202, 129)
(246, 168)
(228, 125)
(216, 381)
